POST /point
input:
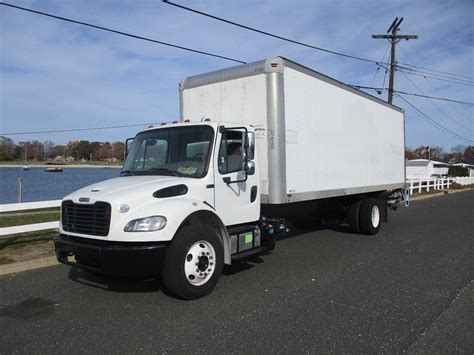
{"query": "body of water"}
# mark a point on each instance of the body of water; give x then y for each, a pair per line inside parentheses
(39, 185)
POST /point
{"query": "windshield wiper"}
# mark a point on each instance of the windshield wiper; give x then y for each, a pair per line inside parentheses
(167, 171)
(126, 173)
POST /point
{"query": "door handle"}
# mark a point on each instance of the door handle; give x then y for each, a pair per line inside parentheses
(253, 193)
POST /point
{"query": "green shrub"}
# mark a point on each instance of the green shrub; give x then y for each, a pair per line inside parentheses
(458, 171)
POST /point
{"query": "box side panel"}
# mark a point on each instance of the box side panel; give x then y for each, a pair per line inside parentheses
(337, 142)
(240, 100)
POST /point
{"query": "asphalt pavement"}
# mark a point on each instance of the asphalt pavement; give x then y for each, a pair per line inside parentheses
(408, 289)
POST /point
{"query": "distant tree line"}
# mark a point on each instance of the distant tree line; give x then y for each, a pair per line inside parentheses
(48, 151)
(457, 154)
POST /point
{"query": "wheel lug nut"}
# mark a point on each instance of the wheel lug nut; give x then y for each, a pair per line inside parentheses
(197, 270)
(207, 253)
(211, 263)
(208, 270)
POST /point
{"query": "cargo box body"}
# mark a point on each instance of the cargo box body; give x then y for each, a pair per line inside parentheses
(316, 137)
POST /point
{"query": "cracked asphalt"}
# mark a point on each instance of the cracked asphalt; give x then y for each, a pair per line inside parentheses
(408, 289)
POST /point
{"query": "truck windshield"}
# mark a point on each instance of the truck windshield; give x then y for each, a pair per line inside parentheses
(173, 151)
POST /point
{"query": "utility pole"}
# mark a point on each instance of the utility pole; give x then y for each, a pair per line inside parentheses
(394, 38)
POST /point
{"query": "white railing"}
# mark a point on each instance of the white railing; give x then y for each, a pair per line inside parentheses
(27, 206)
(464, 180)
(427, 184)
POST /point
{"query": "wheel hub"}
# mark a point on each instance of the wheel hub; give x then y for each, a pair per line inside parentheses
(203, 263)
(199, 263)
(375, 216)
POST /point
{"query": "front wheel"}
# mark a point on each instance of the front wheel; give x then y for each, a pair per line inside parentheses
(370, 216)
(193, 262)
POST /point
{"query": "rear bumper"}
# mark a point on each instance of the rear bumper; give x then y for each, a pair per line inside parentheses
(110, 258)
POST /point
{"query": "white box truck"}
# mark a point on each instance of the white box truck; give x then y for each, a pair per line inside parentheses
(257, 145)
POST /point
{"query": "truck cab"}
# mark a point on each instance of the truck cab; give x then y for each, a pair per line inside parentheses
(187, 201)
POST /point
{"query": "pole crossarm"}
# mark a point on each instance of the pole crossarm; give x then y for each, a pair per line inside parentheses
(407, 37)
(394, 38)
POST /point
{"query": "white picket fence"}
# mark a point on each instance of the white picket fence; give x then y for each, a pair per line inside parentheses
(430, 184)
(27, 206)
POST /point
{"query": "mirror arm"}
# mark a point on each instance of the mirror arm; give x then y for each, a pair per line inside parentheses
(227, 180)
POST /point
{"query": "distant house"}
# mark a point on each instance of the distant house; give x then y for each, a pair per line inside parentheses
(423, 169)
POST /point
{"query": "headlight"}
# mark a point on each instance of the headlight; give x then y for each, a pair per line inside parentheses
(146, 224)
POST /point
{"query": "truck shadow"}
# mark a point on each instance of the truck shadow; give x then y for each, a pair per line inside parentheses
(125, 284)
(325, 226)
(140, 284)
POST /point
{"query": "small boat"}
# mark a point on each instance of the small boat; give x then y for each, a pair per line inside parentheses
(54, 170)
(26, 167)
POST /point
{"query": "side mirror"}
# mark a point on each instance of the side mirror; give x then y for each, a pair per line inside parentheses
(249, 145)
(248, 167)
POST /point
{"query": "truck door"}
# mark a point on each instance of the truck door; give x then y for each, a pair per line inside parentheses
(237, 199)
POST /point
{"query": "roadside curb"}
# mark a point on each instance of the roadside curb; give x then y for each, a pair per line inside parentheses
(27, 265)
(441, 193)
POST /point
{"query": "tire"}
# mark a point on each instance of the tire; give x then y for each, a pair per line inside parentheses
(186, 273)
(353, 216)
(370, 216)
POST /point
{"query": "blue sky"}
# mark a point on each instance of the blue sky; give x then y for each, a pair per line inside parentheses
(57, 75)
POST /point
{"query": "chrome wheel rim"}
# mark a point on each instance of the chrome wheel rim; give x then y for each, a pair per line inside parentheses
(200, 263)
(375, 216)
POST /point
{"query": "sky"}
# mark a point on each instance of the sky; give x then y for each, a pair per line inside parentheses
(56, 75)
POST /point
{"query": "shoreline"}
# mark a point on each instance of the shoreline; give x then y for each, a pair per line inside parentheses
(64, 166)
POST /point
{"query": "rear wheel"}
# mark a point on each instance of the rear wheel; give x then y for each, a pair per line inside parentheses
(353, 216)
(370, 216)
(193, 262)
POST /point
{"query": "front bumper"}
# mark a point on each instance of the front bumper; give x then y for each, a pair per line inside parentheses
(110, 258)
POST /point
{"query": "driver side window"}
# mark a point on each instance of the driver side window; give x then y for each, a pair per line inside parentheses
(230, 152)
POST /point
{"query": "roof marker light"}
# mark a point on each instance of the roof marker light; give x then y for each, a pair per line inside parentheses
(187, 120)
(163, 124)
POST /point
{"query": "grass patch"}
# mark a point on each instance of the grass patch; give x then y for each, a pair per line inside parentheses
(31, 245)
(17, 219)
(21, 240)
(6, 260)
(457, 186)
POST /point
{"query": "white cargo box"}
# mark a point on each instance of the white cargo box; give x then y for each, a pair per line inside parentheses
(316, 136)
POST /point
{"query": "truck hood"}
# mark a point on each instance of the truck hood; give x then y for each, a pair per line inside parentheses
(126, 189)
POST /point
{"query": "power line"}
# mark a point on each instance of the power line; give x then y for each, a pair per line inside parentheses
(269, 34)
(378, 68)
(121, 33)
(292, 40)
(76, 129)
(438, 71)
(440, 76)
(449, 80)
(434, 104)
(413, 94)
(433, 122)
